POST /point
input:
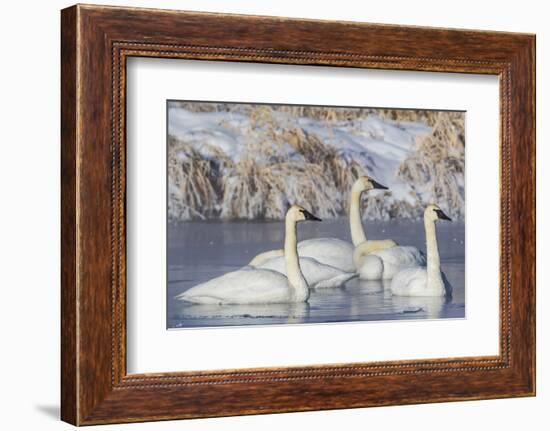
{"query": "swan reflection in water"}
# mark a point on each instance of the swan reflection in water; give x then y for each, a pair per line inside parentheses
(431, 307)
(238, 313)
(375, 295)
(367, 287)
(358, 300)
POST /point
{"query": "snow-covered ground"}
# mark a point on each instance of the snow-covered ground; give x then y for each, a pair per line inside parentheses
(227, 145)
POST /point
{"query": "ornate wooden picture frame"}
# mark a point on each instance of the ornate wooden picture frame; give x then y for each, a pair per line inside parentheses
(96, 41)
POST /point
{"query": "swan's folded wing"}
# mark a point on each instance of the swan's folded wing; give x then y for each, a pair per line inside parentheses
(402, 256)
(336, 281)
(313, 271)
(409, 281)
(330, 251)
(322, 275)
(246, 285)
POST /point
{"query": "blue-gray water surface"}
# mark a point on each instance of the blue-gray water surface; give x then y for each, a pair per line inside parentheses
(199, 251)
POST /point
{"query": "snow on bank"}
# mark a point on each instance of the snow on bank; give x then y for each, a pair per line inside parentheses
(252, 162)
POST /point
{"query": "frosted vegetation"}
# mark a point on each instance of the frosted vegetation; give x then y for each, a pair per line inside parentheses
(244, 161)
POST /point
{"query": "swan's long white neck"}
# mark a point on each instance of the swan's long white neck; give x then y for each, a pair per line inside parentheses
(293, 271)
(433, 264)
(357, 232)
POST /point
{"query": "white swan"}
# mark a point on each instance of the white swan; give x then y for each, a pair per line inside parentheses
(257, 285)
(333, 251)
(318, 275)
(377, 260)
(427, 280)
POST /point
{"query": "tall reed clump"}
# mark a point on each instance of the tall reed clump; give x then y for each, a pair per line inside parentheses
(265, 191)
(435, 168)
(277, 172)
(336, 170)
(193, 182)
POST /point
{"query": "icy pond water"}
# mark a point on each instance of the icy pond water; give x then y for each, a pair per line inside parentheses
(199, 251)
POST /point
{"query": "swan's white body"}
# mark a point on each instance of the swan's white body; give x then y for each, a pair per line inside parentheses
(329, 251)
(414, 282)
(333, 251)
(244, 286)
(318, 275)
(385, 264)
(425, 280)
(251, 285)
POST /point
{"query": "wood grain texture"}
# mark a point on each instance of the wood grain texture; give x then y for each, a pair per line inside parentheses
(69, 397)
(96, 42)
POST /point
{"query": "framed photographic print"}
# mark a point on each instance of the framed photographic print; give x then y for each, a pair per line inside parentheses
(285, 212)
(237, 169)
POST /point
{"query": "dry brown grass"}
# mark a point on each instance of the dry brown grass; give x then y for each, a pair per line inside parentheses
(265, 180)
(438, 161)
(265, 191)
(338, 171)
(193, 180)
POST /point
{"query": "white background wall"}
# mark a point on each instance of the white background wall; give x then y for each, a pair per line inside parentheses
(29, 214)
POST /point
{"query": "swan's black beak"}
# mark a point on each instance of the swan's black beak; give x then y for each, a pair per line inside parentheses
(377, 185)
(309, 216)
(442, 216)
